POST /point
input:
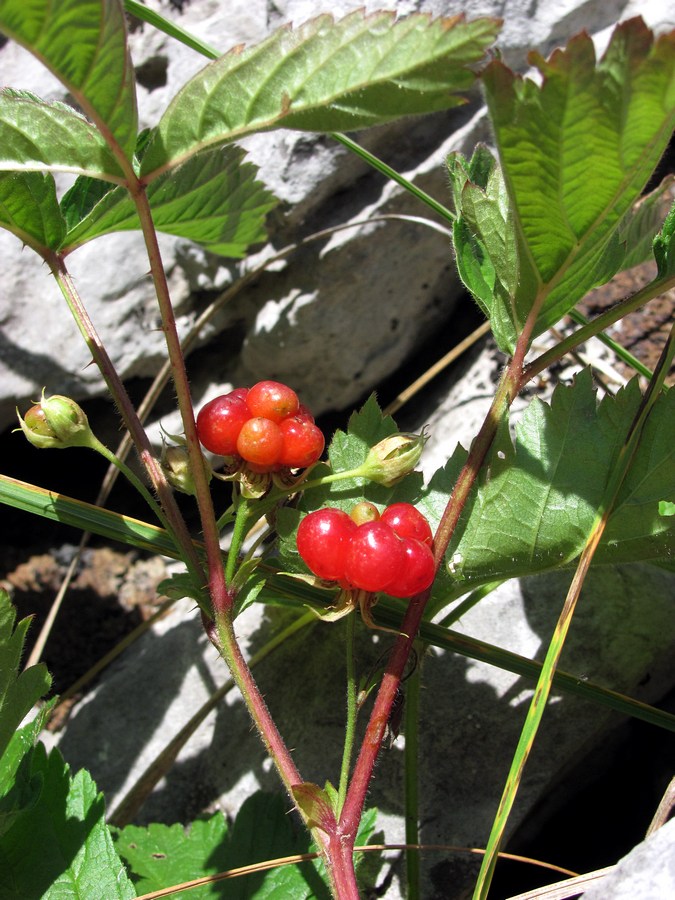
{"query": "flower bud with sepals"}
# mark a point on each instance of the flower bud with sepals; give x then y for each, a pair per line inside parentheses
(57, 422)
(393, 458)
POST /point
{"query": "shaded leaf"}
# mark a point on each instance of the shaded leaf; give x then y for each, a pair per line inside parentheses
(162, 855)
(30, 210)
(664, 246)
(213, 199)
(18, 692)
(60, 847)
(640, 228)
(536, 500)
(83, 42)
(35, 135)
(576, 152)
(323, 76)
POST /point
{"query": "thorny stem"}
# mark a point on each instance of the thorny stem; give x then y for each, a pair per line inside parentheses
(507, 390)
(176, 523)
(221, 597)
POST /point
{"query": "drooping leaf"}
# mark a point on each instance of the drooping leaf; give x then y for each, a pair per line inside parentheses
(323, 76)
(36, 136)
(536, 500)
(30, 210)
(60, 846)
(83, 42)
(576, 152)
(484, 239)
(213, 199)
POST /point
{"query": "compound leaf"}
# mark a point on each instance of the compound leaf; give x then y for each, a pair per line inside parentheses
(83, 42)
(213, 199)
(576, 152)
(60, 846)
(323, 76)
(35, 135)
(30, 210)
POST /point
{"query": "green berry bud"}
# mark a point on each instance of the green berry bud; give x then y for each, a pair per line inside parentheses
(175, 462)
(57, 422)
(393, 458)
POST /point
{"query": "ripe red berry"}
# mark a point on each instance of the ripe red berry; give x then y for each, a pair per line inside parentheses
(303, 442)
(408, 522)
(260, 442)
(220, 421)
(323, 540)
(375, 557)
(417, 572)
(272, 400)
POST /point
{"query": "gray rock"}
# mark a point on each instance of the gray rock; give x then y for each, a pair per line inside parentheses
(646, 873)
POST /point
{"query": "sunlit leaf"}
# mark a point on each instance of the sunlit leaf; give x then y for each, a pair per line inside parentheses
(323, 76)
(83, 42)
(576, 152)
(30, 210)
(35, 135)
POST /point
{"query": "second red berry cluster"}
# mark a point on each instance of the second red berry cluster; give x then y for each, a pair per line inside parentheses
(264, 425)
(369, 550)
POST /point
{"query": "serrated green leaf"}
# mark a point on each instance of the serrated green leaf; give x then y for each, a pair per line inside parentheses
(536, 500)
(60, 847)
(83, 42)
(18, 692)
(484, 240)
(576, 154)
(213, 199)
(162, 855)
(18, 790)
(36, 136)
(323, 76)
(30, 210)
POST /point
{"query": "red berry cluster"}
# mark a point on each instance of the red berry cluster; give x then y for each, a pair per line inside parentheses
(388, 552)
(264, 425)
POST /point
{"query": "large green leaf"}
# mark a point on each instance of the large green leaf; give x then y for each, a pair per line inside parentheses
(213, 199)
(323, 76)
(537, 499)
(60, 847)
(84, 43)
(35, 135)
(30, 210)
(576, 152)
